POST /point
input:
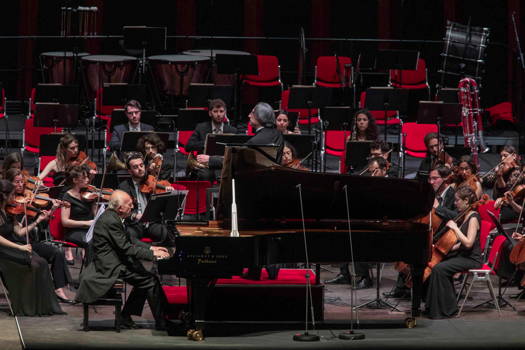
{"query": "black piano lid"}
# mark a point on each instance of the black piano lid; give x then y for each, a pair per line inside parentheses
(267, 194)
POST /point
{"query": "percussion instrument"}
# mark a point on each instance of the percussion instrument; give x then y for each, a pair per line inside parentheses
(100, 69)
(60, 67)
(174, 73)
(221, 79)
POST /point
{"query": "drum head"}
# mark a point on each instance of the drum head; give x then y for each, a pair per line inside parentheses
(61, 54)
(108, 58)
(178, 58)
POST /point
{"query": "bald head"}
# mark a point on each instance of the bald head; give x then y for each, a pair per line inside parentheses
(121, 202)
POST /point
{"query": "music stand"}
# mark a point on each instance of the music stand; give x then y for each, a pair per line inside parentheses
(386, 99)
(215, 143)
(49, 143)
(55, 115)
(189, 118)
(119, 94)
(437, 112)
(118, 116)
(164, 207)
(150, 39)
(57, 93)
(449, 95)
(130, 139)
(309, 97)
(303, 144)
(110, 181)
(357, 153)
(200, 94)
(337, 118)
(237, 65)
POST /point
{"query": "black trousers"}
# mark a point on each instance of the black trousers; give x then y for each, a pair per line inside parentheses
(55, 257)
(441, 295)
(362, 270)
(77, 236)
(146, 286)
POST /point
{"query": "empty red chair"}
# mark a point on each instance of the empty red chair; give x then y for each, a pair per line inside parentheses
(31, 135)
(304, 115)
(410, 79)
(196, 198)
(269, 72)
(333, 71)
(334, 144)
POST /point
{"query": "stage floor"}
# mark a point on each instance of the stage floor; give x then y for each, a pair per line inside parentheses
(476, 328)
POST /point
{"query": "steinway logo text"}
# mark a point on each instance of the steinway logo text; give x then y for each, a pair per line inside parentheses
(207, 258)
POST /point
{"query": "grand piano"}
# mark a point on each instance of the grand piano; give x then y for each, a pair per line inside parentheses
(384, 215)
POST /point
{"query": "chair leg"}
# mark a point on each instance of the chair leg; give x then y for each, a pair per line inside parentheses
(493, 294)
(86, 317)
(118, 310)
(463, 284)
(466, 296)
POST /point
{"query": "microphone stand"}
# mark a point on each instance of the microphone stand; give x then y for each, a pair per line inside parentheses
(350, 334)
(308, 302)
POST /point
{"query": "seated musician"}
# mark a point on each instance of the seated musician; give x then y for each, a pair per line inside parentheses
(465, 254)
(68, 155)
(262, 119)
(282, 122)
(383, 150)
(511, 207)
(152, 149)
(12, 160)
(115, 256)
(132, 109)
(445, 207)
(435, 154)
(364, 127)
(218, 124)
(78, 218)
(467, 175)
(157, 232)
(377, 166)
(500, 178)
(25, 275)
(289, 158)
(52, 254)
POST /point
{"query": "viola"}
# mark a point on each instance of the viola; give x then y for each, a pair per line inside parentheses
(38, 200)
(91, 193)
(82, 159)
(34, 182)
(151, 185)
(19, 208)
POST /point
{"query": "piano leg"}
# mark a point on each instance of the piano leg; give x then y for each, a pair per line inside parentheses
(417, 291)
(199, 291)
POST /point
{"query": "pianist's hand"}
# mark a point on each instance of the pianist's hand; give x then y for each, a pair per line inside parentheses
(160, 252)
(203, 158)
(517, 236)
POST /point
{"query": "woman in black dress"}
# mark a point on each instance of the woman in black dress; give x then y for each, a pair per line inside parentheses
(52, 254)
(465, 255)
(79, 217)
(25, 274)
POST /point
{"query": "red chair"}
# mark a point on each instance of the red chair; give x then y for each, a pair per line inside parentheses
(42, 162)
(333, 71)
(410, 79)
(269, 73)
(56, 230)
(304, 115)
(184, 136)
(413, 140)
(334, 144)
(31, 135)
(196, 203)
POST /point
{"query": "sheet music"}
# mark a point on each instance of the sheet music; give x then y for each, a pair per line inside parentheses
(89, 233)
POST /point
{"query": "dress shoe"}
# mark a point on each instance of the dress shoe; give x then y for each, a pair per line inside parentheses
(364, 283)
(398, 293)
(160, 325)
(127, 322)
(65, 301)
(339, 279)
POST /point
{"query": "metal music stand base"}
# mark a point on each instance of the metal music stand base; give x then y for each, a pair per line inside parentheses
(351, 335)
(379, 303)
(306, 337)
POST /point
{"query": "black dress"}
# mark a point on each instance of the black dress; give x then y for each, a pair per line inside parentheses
(27, 278)
(81, 211)
(441, 295)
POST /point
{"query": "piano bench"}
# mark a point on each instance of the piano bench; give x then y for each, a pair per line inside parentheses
(112, 297)
(240, 299)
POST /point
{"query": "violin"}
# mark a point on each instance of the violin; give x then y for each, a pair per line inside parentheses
(91, 193)
(151, 185)
(156, 161)
(38, 200)
(82, 159)
(15, 208)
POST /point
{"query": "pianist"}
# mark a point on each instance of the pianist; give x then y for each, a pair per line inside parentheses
(114, 256)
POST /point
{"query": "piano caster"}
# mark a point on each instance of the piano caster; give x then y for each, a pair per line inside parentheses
(410, 322)
(195, 334)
